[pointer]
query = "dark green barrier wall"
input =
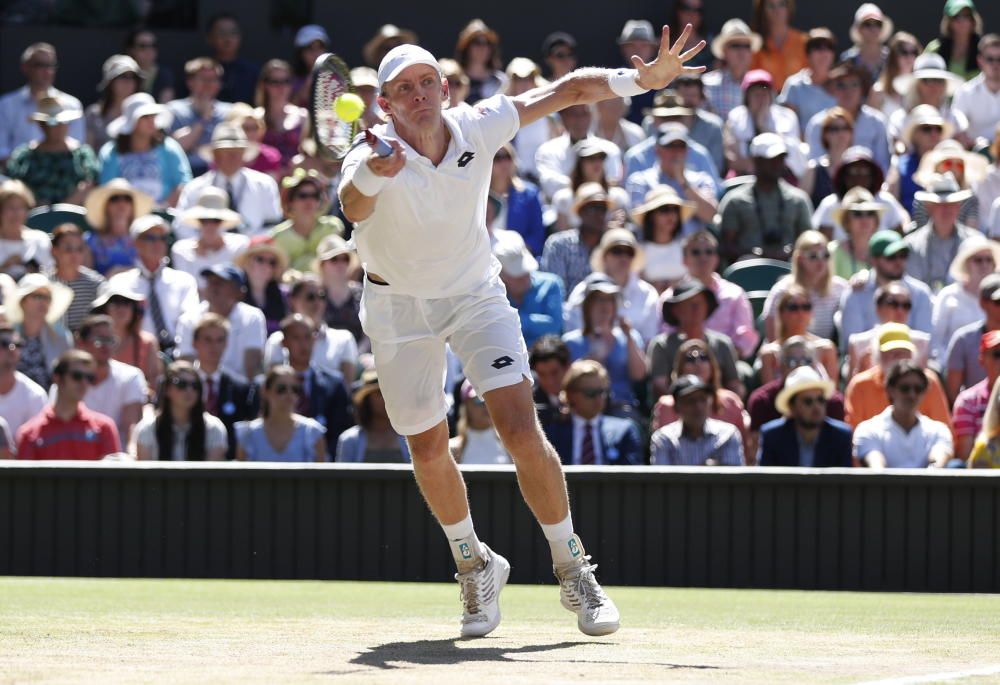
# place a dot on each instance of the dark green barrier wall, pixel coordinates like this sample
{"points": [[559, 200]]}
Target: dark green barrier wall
{"points": [[789, 528]]}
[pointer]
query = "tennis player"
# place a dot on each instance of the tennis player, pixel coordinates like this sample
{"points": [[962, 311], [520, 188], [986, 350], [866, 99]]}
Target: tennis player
{"points": [[431, 279]]}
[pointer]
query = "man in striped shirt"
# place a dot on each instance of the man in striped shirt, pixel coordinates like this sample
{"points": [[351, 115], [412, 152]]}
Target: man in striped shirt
{"points": [[68, 251], [695, 439], [971, 403]]}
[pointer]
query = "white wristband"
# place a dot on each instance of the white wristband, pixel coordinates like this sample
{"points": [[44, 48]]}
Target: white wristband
{"points": [[367, 182], [623, 82]]}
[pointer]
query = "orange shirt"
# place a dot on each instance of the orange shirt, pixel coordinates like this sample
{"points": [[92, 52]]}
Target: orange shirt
{"points": [[866, 397], [783, 62]]}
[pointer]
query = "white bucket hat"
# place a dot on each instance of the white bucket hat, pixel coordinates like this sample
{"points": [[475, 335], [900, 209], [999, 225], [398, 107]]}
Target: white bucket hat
{"points": [[52, 112], [927, 66], [870, 10], [134, 107], [968, 248], [513, 255], [115, 66], [62, 296]]}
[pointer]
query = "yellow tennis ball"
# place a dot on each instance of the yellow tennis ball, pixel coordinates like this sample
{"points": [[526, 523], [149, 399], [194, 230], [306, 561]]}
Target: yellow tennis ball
{"points": [[349, 107]]}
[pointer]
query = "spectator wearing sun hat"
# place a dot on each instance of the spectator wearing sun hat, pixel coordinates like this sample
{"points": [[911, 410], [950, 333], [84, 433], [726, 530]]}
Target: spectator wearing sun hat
{"points": [[338, 267], [734, 47], [305, 201], [215, 242], [695, 439], [869, 32], [567, 253], [979, 98], [536, 295], [264, 265], [968, 168], [958, 303], [960, 17], [120, 77], [930, 83], [35, 309]]}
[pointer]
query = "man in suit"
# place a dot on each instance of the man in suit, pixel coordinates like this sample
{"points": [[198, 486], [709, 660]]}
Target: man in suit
{"points": [[588, 437], [549, 361], [324, 397], [806, 436], [225, 396]]}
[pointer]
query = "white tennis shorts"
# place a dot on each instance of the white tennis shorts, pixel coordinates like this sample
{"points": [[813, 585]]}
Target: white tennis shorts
{"points": [[408, 337]]}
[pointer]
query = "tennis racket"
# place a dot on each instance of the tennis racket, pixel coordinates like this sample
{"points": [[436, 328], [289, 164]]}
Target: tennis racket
{"points": [[334, 137]]}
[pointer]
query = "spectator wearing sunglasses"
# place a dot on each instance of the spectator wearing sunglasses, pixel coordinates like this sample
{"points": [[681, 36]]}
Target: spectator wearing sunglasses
{"points": [[859, 214], [957, 305], [305, 202], [869, 33], [66, 428], [972, 404], [961, 27], [892, 305], [979, 98], [793, 316], [695, 439], [264, 265], [338, 266], [734, 47], [136, 347], [301, 438], [901, 436], [20, 397], [181, 429], [805, 436], [157, 80], [962, 357], [904, 48], [35, 309], [215, 242]]}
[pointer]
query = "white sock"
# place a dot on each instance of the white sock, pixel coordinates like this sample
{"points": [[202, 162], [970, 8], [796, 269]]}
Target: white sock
{"points": [[465, 546], [565, 545]]}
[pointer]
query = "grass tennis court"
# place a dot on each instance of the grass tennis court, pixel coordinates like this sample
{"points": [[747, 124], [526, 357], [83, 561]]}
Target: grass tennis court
{"points": [[93, 630]]}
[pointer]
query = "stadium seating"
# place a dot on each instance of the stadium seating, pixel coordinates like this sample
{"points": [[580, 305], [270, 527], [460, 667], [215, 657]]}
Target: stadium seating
{"points": [[756, 274]]}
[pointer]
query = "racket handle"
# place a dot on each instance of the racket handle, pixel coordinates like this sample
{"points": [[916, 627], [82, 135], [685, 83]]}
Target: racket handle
{"points": [[382, 148]]}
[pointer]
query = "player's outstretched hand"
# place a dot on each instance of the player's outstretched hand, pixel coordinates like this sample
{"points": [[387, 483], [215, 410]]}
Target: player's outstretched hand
{"points": [[391, 165], [669, 62]]}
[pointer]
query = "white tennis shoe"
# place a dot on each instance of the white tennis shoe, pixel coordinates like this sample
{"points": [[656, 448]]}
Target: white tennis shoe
{"points": [[480, 594], [580, 592]]}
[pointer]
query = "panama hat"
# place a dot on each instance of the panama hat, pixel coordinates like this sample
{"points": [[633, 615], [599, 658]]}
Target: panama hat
{"points": [[668, 103], [263, 244], [976, 166], [62, 297], [942, 189], [801, 379], [52, 112], [967, 249], [588, 193], [333, 246], [228, 136], [924, 115], [662, 196], [618, 237], [927, 66], [857, 199], [134, 107], [212, 203], [870, 10], [97, 201], [637, 31], [734, 29]]}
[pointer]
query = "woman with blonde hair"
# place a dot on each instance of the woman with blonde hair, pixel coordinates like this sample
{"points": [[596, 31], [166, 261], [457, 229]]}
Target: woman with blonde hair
{"points": [[958, 303], [903, 51], [812, 270], [283, 121], [793, 317], [22, 249], [986, 450], [860, 215], [279, 434]]}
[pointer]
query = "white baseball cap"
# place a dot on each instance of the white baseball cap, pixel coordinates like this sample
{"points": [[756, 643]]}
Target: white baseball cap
{"points": [[401, 57], [310, 33], [768, 146], [513, 255]]}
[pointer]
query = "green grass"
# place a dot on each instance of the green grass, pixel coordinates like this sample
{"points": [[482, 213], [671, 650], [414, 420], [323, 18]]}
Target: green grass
{"points": [[273, 631]]}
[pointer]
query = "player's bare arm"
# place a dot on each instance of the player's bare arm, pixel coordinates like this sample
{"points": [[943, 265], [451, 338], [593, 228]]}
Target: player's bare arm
{"points": [[356, 205], [592, 84]]}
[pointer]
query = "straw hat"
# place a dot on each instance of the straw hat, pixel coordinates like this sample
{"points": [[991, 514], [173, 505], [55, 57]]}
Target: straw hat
{"points": [[212, 203], [857, 199], [522, 67], [263, 244], [734, 29], [924, 115], [62, 297], [801, 379], [115, 66], [637, 31], [363, 387], [229, 136], [967, 249], [942, 189], [333, 246], [976, 166], [52, 112], [870, 10], [97, 201], [667, 103], [388, 32], [134, 107], [618, 237], [364, 77], [662, 196], [476, 27], [927, 66], [588, 193]]}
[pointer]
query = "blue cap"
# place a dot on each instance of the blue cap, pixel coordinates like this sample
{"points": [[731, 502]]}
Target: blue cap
{"points": [[226, 272]]}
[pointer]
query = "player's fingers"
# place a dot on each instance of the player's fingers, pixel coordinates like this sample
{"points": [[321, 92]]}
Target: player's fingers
{"points": [[682, 40], [665, 40], [637, 62], [688, 54]]}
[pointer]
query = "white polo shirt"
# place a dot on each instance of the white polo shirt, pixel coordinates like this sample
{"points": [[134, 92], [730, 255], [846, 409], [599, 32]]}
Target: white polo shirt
{"points": [[980, 105], [24, 401], [427, 235], [247, 331], [902, 449]]}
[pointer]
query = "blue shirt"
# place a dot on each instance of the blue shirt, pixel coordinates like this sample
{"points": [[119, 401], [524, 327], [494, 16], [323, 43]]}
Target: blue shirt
{"points": [[870, 130], [169, 168], [524, 215], [857, 308], [302, 446], [616, 361], [16, 127], [642, 156], [805, 97], [641, 182], [541, 308]]}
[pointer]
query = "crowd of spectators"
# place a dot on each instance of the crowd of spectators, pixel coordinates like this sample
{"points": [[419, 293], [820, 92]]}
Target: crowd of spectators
{"points": [[790, 259]]}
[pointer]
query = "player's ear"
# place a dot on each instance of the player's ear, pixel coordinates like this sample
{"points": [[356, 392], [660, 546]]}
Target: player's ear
{"points": [[383, 103]]}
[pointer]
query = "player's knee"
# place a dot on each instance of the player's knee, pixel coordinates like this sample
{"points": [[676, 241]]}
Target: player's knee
{"points": [[521, 435], [428, 447]]}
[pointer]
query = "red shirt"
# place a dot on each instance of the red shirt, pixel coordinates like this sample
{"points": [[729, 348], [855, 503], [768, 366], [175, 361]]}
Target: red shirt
{"points": [[970, 408], [88, 435]]}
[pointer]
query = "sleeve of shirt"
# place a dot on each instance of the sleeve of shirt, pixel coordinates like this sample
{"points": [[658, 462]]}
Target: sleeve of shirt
{"points": [[352, 161], [215, 433], [109, 163], [176, 166], [962, 417], [185, 336], [550, 173], [256, 332], [6, 128], [350, 351], [144, 433], [659, 449], [941, 436], [135, 389], [731, 453], [546, 316], [865, 441], [497, 120], [920, 317]]}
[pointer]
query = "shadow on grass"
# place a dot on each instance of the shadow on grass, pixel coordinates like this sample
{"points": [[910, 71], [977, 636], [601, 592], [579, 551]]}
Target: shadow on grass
{"points": [[454, 651]]}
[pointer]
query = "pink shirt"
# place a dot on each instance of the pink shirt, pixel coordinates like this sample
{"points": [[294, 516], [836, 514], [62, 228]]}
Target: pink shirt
{"points": [[733, 318], [730, 411], [970, 408]]}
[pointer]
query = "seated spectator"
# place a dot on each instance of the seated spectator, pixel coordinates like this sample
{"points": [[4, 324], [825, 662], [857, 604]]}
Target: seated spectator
{"points": [[695, 439], [888, 253], [660, 217], [120, 77], [892, 305], [22, 249], [567, 253], [962, 356], [759, 114], [7, 444], [301, 438], [224, 290], [979, 98], [337, 265], [671, 169], [35, 310], [372, 440], [865, 396], [264, 265], [869, 32], [686, 307], [988, 191], [478, 51], [835, 136], [704, 129], [734, 48], [957, 305], [857, 168], [322, 396], [929, 84], [536, 295], [141, 152], [794, 312], [239, 75], [20, 397], [923, 129], [783, 49], [693, 12], [610, 124], [523, 75], [555, 158], [958, 40], [761, 405], [559, 54], [806, 436], [305, 201], [521, 200], [609, 339], [311, 41], [638, 37], [118, 390], [226, 397], [903, 50], [196, 117], [261, 156], [57, 168], [136, 347], [859, 214], [589, 436], [804, 92], [694, 358], [283, 121], [734, 316], [38, 65], [901, 436], [765, 217], [168, 292], [111, 210], [476, 441], [588, 168], [934, 246], [971, 405], [811, 270], [250, 193], [214, 242], [67, 429], [619, 257], [968, 168], [549, 361], [181, 429], [69, 252], [986, 451]]}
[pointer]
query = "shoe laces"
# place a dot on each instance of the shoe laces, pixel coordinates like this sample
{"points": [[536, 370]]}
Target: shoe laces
{"points": [[469, 584], [583, 586]]}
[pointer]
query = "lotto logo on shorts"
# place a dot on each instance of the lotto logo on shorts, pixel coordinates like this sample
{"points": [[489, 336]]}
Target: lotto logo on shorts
{"points": [[502, 362], [465, 550], [574, 548]]}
